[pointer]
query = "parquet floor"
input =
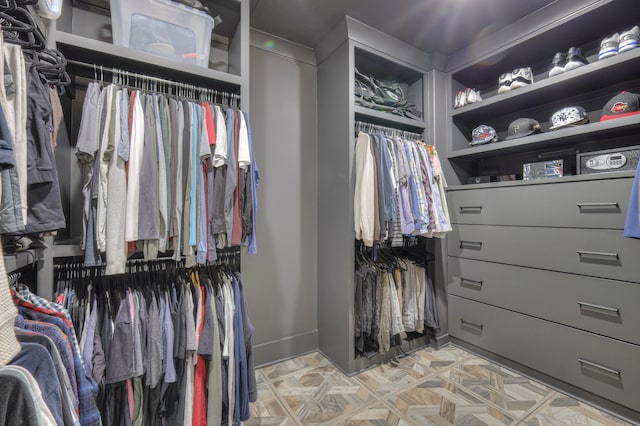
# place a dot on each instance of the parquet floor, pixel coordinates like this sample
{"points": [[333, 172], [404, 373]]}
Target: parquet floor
{"points": [[448, 386]]}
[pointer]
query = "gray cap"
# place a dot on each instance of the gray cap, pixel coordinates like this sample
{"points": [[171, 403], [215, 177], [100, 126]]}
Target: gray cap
{"points": [[523, 127]]}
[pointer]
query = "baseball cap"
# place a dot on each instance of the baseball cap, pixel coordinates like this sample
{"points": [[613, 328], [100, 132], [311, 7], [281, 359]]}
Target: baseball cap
{"points": [[483, 134], [623, 104], [569, 116], [523, 127]]}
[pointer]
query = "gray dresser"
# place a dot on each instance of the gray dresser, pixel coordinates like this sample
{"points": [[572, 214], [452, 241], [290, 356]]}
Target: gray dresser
{"points": [[540, 273]]}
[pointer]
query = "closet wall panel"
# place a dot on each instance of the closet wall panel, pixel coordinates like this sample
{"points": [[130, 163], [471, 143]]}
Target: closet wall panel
{"points": [[335, 208], [281, 279]]}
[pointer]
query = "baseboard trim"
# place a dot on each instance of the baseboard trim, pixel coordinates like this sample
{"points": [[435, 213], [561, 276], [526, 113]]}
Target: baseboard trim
{"points": [[285, 348], [440, 341], [606, 405]]}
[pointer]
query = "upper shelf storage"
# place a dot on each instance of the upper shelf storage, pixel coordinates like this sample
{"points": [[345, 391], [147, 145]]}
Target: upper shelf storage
{"points": [[590, 87], [612, 71], [533, 42], [583, 27], [85, 32], [388, 80], [99, 52]]}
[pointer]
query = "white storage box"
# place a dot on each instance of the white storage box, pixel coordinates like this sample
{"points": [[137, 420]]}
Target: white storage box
{"points": [[163, 28]]}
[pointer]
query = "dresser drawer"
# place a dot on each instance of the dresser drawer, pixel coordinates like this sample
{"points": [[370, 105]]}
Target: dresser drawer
{"points": [[596, 252], [597, 364], [590, 204], [599, 305]]}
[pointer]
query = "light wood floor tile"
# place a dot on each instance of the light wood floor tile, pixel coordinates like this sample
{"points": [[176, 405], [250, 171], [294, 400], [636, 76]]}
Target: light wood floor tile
{"points": [[563, 410], [394, 376], [321, 394], [429, 387], [437, 401], [508, 390], [260, 377], [267, 410], [295, 365], [377, 415], [440, 359]]}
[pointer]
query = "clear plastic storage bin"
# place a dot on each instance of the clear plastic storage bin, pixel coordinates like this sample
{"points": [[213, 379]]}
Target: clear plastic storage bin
{"points": [[163, 28]]}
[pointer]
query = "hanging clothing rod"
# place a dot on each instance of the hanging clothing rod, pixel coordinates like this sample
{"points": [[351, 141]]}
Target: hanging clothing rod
{"points": [[362, 126], [126, 76]]}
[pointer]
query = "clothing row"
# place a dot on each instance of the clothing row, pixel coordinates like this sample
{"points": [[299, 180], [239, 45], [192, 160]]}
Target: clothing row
{"points": [[30, 116], [394, 296], [399, 190], [168, 347], [160, 174], [29, 377], [50, 351]]}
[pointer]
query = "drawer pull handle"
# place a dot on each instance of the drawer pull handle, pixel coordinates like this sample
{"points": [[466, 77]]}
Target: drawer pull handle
{"points": [[587, 205], [597, 254], [599, 307], [599, 367], [471, 324], [470, 209], [477, 245], [468, 281]]}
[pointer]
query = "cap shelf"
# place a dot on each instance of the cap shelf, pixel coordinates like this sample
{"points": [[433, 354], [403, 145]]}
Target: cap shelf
{"points": [[555, 138]]}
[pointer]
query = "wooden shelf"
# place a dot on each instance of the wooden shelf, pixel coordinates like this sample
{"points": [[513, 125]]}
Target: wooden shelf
{"points": [[564, 179], [94, 51], [610, 71], [555, 138], [14, 261], [389, 119]]}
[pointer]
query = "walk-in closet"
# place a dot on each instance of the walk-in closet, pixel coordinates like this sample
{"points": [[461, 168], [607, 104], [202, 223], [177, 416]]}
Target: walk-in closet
{"points": [[302, 212]]}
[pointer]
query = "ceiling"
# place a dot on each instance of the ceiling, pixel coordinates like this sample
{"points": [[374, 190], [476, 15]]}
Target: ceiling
{"points": [[444, 26]]}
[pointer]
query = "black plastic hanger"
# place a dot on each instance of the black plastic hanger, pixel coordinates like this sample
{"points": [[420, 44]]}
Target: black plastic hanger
{"points": [[20, 28], [7, 5]]}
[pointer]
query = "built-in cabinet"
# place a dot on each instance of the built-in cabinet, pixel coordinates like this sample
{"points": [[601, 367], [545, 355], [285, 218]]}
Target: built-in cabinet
{"points": [[349, 46], [539, 273]]}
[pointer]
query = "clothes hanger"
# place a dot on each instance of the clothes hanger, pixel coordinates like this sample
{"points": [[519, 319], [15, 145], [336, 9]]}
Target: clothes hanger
{"points": [[19, 22], [7, 5]]}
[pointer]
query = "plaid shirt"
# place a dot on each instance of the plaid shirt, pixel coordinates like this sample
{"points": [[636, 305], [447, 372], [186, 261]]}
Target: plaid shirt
{"points": [[32, 305], [23, 293], [61, 343]]}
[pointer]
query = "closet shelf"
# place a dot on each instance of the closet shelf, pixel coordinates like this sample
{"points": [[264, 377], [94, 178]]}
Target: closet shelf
{"points": [[94, 51], [552, 139], [616, 69], [564, 179], [379, 117], [21, 259], [67, 249]]}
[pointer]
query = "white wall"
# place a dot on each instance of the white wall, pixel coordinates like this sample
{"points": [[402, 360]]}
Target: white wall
{"points": [[281, 280]]}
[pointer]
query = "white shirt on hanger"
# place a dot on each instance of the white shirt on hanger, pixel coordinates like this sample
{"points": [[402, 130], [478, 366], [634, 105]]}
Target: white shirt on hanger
{"points": [[244, 156], [136, 147], [116, 246], [220, 153]]}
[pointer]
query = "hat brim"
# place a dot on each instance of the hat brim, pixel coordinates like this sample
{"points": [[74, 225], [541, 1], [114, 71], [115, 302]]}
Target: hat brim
{"points": [[483, 142], [522, 135], [613, 116], [577, 123]]}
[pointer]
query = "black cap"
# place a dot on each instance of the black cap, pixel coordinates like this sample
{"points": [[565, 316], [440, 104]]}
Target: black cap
{"points": [[623, 104]]}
